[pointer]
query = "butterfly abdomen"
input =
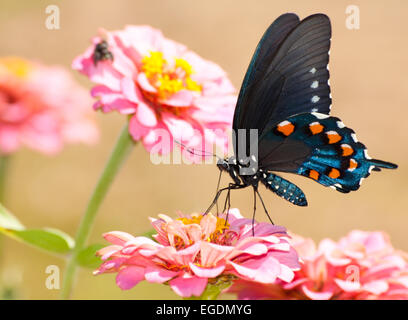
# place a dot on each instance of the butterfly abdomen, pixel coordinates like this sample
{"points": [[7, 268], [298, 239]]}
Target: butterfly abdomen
{"points": [[284, 189]]}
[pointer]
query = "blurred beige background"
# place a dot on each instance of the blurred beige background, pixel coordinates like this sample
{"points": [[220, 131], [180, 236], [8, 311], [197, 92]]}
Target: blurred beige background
{"points": [[369, 86]]}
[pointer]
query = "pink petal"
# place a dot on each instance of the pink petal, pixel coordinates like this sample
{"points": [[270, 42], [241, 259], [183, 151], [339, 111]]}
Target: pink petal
{"points": [[179, 128], [118, 237], [183, 98], [136, 129], [348, 286], [9, 140], [207, 272], [159, 275], [286, 274], [264, 270], [145, 84], [317, 295], [376, 287], [130, 276], [108, 251], [187, 286], [129, 90], [146, 115], [212, 253]]}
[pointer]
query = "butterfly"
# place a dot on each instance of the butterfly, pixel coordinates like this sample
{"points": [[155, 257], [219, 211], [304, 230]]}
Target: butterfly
{"points": [[285, 96]]}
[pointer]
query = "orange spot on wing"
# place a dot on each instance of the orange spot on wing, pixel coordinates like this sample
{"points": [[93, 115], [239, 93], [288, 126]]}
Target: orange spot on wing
{"points": [[353, 164], [334, 173], [347, 150], [333, 137], [286, 128], [314, 174], [316, 128]]}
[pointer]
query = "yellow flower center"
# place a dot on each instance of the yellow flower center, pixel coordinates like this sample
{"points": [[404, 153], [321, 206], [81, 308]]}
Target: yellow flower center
{"points": [[221, 225], [15, 66], [168, 79]]}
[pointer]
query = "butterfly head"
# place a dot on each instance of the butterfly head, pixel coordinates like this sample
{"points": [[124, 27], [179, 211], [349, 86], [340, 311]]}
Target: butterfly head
{"points": [[223, 165]]}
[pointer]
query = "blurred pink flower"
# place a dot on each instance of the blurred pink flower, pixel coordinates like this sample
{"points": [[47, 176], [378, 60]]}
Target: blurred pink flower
{"points": [[166, 89], [361, 266], [41, 107], [196, 249]]}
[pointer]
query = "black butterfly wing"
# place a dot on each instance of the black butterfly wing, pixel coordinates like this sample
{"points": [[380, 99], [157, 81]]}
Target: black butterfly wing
{"points": [[288, 73], [261, 60]]}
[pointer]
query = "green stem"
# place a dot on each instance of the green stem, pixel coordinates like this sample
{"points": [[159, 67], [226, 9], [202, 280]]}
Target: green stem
{"points": [[122, 148], [4, 164]]}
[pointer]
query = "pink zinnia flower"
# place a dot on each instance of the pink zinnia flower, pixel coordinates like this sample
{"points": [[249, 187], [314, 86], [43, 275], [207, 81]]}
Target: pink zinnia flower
{"points": [[361, 266], [194, 250], [41, 107], [169, 91]]}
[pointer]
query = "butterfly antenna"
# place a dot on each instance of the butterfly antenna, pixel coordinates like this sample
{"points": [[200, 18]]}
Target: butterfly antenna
{"points": [[192, 151], [253, 215]]}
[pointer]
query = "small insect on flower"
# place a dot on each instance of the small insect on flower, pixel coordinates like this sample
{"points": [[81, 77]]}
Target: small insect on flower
{"points": [[195, 250], [102, 52]]}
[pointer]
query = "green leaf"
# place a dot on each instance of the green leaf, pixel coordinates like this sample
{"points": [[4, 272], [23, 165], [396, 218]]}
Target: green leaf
{"points": [[8, 221], [87, 258], [47, 239], [149, 234]]}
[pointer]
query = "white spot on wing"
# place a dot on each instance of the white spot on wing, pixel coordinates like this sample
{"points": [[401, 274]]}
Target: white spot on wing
{"points": [[320, 115], [313, 70], [354, 137], [315, 99], [314, 84], [340, 124], [366, 154], [331, 132], [315, 110], [284, 123]]}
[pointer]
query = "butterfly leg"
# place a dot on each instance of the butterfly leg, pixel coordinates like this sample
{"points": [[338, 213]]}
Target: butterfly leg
{"points": [[253, 215], [263, 204], [218, 186], [231, 186], [228, 200], [214, 202], [227, 197]]}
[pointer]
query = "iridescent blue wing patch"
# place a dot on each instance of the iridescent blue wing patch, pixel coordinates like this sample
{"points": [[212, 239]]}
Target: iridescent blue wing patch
{"points": [[319, 147]]}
